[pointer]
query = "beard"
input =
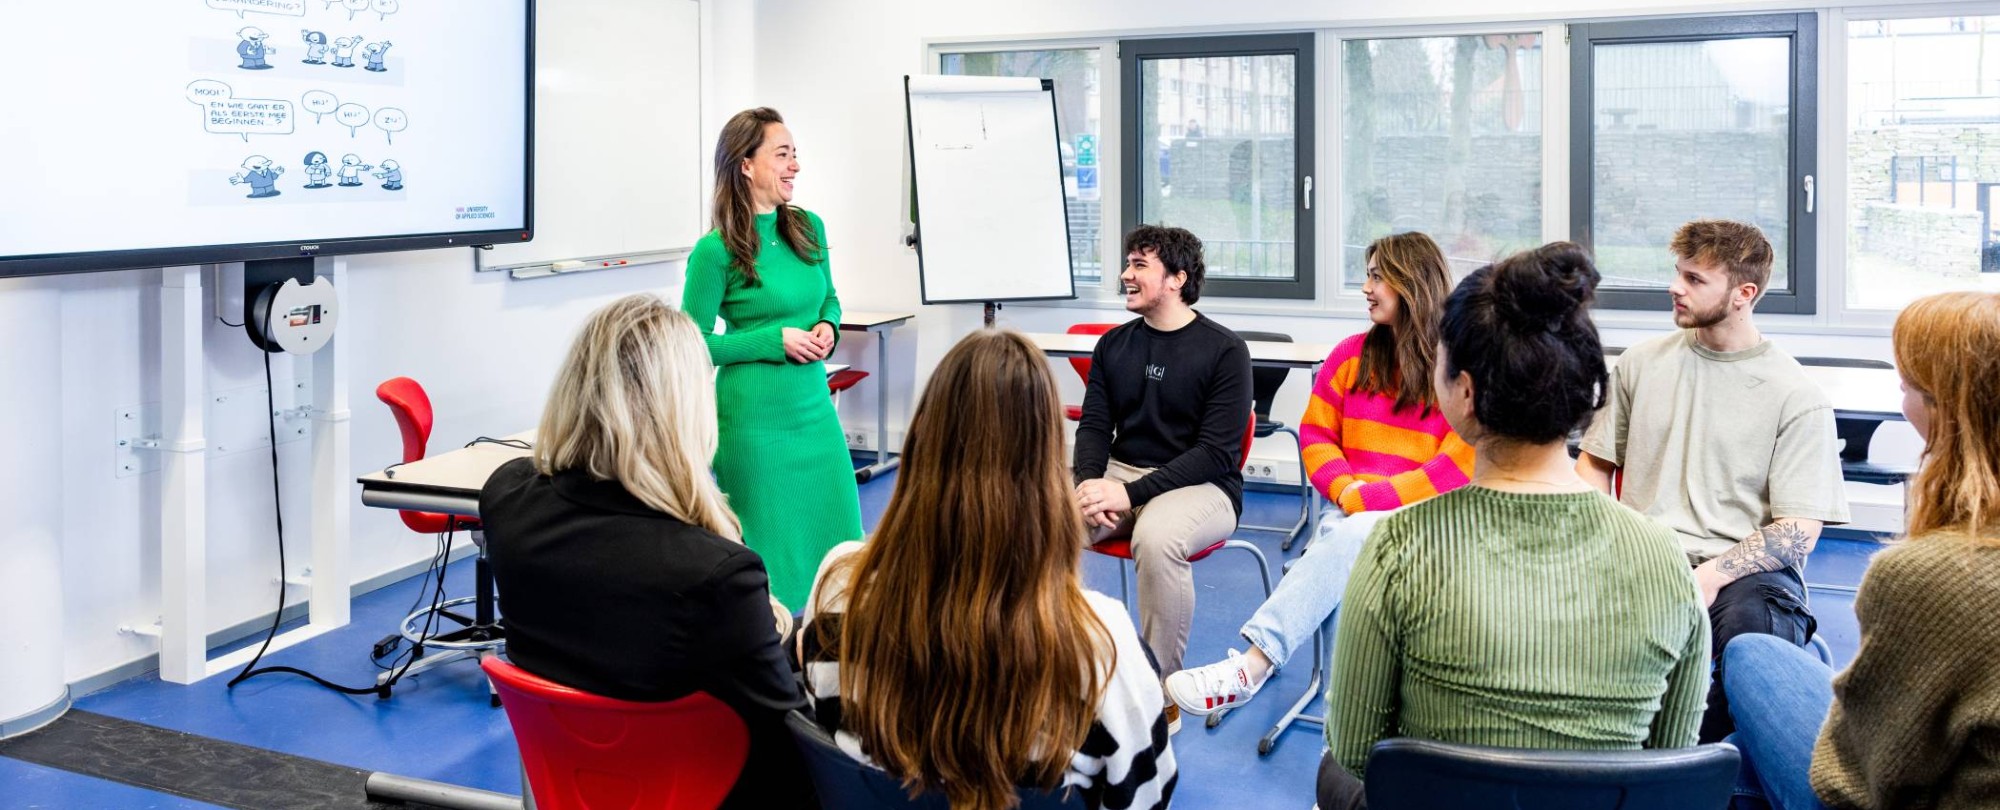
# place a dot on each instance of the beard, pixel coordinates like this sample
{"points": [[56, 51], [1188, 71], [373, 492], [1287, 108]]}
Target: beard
{"points": [[1702, 319]]}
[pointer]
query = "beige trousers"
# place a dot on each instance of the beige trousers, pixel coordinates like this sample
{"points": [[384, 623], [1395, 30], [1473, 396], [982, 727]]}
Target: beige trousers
{"points": [[1164, 532]]}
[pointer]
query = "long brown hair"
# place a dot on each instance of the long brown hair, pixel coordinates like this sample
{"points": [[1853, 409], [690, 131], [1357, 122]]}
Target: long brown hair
{"points": [[969, 660], [1948, 348], [1396, 358], [735, 212]]}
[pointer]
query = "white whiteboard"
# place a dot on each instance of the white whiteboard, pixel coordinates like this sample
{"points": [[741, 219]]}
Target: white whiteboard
{"points": [[992, 224], [618, 157]]}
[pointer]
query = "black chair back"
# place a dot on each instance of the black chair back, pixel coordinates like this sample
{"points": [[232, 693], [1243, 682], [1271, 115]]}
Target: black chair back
{"points": [[1404, 774], [1264, 380], [845, 783], [1844, 362]]}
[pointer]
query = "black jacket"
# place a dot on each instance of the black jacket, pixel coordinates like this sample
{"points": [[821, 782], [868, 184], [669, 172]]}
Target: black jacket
{"points": [[602, 593], [1178, 402]]}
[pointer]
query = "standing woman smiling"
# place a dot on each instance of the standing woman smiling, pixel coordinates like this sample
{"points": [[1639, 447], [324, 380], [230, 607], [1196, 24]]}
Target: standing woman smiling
{"points": [[783, 458]]}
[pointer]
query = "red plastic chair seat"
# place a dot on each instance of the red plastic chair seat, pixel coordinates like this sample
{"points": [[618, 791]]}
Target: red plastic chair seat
{"points": [[844, 379], [1122, 549], [412, 408], [1073, 413], [588, 751]]}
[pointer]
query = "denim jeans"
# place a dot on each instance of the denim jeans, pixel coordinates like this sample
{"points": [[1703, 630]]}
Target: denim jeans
{"points": [[1779, 695], [1308, 595]]}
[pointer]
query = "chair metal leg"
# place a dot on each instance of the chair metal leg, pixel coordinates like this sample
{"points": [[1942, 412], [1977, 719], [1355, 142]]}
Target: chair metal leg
{"points": [[1264, 573], [1305, 501], [1297, 713]]}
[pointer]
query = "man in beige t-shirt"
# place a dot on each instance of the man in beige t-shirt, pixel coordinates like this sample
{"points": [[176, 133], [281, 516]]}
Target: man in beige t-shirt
{"points": [[1717, 433]]}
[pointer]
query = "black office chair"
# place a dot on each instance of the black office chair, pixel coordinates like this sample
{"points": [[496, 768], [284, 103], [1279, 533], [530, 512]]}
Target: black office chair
{"points": [[1405, 774], [1855, 434], [1264, 385], [845, 783]]}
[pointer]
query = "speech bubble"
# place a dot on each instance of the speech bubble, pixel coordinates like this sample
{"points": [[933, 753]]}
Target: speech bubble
{"points": [[391, 120], [352, 116], [224, 114], [385, 7], [290, 8], [319, 103], [354, 7]]}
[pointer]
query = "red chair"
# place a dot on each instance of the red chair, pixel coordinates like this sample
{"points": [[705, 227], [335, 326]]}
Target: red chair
{"points": [[1122, 549], [844, 379], [580, 750], [479, 635], [1082, 364]]}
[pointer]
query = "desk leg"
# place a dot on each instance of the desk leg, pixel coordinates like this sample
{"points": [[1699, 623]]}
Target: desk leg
{"points": [[883, 463]]}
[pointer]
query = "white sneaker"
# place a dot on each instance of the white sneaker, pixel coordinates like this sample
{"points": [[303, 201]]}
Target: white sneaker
{"points": [[1221, 685]]}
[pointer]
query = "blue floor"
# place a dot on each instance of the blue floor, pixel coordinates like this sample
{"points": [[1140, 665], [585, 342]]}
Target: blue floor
{"points": [[439, 725]]}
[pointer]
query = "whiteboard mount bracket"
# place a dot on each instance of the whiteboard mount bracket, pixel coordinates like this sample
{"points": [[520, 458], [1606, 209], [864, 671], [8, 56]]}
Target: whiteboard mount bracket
{"points": [[992, 309]]}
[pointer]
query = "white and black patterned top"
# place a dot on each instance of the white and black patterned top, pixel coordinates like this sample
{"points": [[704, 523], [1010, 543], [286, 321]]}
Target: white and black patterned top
{"points": [[1126, 761]]}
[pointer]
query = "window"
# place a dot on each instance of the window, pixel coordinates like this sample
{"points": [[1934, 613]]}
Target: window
{"points": [[1239, 174], [1923, 159], [1441, 135], [1674, 120], [1074, 72]]}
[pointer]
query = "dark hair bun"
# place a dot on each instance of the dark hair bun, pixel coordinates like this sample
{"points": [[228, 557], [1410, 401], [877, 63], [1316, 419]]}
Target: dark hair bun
{"points": [[1543, 288]]}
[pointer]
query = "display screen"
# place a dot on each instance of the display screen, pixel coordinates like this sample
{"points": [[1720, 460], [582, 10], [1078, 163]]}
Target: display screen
{"points": [[152, 132]]}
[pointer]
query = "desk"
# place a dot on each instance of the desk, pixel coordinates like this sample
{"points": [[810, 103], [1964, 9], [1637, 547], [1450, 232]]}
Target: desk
{"points": [[447, 483], [878, 323]]}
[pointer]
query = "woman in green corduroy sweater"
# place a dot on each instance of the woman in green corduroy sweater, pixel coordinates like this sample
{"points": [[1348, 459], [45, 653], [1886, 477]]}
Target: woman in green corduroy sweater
{"points": [[1914, 720], [783, 458]]}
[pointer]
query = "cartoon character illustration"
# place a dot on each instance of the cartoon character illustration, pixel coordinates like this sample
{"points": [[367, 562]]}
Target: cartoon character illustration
{"points": [[252, 49], [261, 174], [373, 53], [392, 175], [351, 168], [315, 47], [343, 51], [317, 170]]}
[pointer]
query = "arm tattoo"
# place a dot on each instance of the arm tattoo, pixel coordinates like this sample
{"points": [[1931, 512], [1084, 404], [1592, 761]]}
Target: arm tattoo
{"points": [[1777, 546]]}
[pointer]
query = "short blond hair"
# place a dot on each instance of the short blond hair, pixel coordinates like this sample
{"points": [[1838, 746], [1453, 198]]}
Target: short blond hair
{"points": [[1739, 247]]}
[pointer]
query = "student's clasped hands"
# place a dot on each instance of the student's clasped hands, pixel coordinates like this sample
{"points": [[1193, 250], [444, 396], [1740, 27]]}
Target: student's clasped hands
{"points": [[1104, 502], [802, 346]]}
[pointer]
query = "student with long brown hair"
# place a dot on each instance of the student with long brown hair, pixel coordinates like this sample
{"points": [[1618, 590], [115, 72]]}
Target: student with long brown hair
{"points": [[1914, 721], [619, 564], [957, 649], [783, 458], [1373, 441]]}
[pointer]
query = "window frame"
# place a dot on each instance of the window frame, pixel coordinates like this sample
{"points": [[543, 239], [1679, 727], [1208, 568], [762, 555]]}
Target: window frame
{"points": [[1300, 46], [1802, 28]]}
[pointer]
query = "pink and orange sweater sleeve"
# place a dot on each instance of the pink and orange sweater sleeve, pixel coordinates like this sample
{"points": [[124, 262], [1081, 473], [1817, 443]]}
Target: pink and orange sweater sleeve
{"points": [[1398, 456]]}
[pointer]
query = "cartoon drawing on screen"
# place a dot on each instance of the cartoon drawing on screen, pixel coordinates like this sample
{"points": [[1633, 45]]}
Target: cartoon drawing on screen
{"points": [[252, 48], [354, 7], [386, 7], [374, 53], [319, 103], [391, 175], [351, 168], [261, 174], [343, 51], [391, 121], [315, 47], [224, 114], [317, 170]]}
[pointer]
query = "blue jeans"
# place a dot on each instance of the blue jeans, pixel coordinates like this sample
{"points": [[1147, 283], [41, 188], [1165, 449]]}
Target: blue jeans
{"points": [[1779, 695], [1308, 595]]}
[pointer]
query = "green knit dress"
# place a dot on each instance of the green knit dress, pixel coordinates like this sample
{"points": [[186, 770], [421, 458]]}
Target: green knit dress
{"points": [[783, 458]]}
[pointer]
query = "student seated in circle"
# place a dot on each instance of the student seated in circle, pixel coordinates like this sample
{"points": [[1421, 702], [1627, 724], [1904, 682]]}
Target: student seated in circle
{"points": [[957, 649], [1373, 441], [1914, 721], [1525, 609], [619, 566]]}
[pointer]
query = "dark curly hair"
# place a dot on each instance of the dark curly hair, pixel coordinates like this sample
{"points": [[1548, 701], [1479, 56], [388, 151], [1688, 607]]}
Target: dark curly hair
{"points": [[1179, 251], [1521, 327]]}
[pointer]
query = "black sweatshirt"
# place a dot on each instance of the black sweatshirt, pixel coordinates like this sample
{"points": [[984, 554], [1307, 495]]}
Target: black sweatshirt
{"points": [[1178, 402]]}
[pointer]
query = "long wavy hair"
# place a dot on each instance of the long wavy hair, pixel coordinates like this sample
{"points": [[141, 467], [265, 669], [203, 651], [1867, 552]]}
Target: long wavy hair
{"points": [[735, 212], [1396, 358], [1948, 349], [634, 402], [970, 661]]}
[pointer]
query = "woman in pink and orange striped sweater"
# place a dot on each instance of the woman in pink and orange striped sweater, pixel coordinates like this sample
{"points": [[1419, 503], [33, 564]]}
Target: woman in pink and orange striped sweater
{"points": [[1373, 441]]}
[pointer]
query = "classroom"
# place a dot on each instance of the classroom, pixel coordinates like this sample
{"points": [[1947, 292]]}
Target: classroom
{"points": [[763, 403]]}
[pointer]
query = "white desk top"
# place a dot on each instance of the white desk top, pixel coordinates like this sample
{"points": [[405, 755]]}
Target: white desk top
{"points": [[863, 321], [1263, 353], [458, 472]]}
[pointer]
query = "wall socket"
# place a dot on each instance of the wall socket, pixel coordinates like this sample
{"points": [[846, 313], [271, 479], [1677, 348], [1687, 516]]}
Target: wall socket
{"points": [[858, 440], [1258, 471]]}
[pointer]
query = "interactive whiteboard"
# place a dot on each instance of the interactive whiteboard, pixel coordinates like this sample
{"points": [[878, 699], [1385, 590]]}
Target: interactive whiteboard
{"points": [[992, 224]]}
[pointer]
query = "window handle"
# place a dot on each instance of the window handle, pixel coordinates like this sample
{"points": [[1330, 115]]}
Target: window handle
{"points": [[1309, 193], [1809, 193]]}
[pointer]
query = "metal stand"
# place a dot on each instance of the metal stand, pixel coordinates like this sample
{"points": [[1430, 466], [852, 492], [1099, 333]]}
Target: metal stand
{"points": [[479, 637], [393, 788], [883, 463], [1308, 514]]}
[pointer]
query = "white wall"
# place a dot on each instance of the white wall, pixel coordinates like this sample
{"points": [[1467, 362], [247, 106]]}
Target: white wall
{"points": [[833, 69]]}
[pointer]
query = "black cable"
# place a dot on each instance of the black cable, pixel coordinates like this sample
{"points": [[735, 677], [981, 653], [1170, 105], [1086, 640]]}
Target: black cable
{"points": [[250, 670], [518, 444]]}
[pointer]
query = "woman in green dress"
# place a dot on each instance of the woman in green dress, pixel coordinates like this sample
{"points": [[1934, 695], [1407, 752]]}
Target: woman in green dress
{"points": [[783, 458]]}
